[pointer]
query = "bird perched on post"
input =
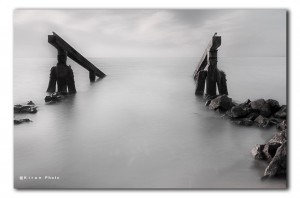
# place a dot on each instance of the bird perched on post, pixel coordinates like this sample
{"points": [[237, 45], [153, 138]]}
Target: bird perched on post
{"points": [[215, 34]]}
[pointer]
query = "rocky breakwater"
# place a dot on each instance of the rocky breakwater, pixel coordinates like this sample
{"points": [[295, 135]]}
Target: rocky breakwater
{"points": [[261, 113], [30, 107]]}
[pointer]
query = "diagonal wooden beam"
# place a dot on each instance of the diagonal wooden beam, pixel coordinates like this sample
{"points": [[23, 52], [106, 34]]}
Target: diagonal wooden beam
{"points": [[60, 44], [214, 43]]}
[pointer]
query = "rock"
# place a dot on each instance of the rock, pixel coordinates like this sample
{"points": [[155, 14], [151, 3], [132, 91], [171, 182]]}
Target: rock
{"points": [[281, 126], [270, 149], [274, 105], [278, 164], [257, 104], [279, 137], [30, 103], [275, 121], [257, 151], [53, 98], [281, 113], [207, 102], [265, 110], [262, 122], [25, 108], [20, 121], [240, 111], [252, 116], [262, 107], [243, 122], [222, 102]]}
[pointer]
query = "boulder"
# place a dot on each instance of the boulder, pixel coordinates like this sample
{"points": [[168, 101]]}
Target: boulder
{"points": [[222, 102], [281, 113], [262, 107], [262, 122], [30, 103], [278, 164], [257, 104], [257, 151], [265, 110], [281, 126], [240, 111], [270, 149], [275, 121], [274, 105], [252, 116], [25, 108], [53, 98], [20, 121]]}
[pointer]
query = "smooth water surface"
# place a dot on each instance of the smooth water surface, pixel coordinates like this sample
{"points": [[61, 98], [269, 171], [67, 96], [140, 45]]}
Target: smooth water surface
{"points": [[142, 126]]}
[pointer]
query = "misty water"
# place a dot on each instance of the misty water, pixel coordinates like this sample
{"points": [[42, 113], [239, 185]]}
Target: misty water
{"points": [[142, 126]]}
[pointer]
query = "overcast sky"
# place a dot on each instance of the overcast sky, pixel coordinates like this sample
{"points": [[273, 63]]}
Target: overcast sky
{"points": [[154, 33]]}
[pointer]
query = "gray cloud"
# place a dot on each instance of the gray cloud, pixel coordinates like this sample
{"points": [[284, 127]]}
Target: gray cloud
{"points": [[175, 33]]}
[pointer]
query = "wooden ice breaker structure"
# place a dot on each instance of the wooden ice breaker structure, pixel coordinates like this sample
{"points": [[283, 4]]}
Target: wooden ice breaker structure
{"points": [[207, 71], [63, 74]]}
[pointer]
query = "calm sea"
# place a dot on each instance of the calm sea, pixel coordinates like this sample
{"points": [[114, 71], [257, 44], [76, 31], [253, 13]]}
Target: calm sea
{"points": [[142, 126]]}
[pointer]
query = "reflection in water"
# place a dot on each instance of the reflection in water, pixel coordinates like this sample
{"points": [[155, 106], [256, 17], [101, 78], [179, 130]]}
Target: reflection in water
{"points": [[141, 127]]}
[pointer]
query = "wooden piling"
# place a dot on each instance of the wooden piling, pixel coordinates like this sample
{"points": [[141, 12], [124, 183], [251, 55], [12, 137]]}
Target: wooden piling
{"points": [[92, 76], [221, 82], [212, 77], [52, 81], [71, 81], [200, 82]]}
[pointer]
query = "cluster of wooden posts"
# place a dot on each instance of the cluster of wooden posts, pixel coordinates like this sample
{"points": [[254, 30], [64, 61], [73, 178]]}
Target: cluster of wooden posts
{"points": [[207, 72], [61, 74]]}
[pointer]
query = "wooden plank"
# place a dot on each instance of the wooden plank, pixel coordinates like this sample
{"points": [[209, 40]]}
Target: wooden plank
{"points": [[60, 44], [212, 46]]}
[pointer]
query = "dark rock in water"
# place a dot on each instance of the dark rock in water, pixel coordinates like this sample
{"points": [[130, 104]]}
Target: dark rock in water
{"points": [[270, 149], [257, 104], [20, 121], [257, 151], [262, 107], [266, 110], [243, 122], [240, 111], [262, 122], [30, 103], [275, 121], [281, 113], [207, 102], [25, 108], [279, 137], [275, 151], [278, 164], [274, 105], [221, 102], [55, 97], [252, 116], [281, 126]]}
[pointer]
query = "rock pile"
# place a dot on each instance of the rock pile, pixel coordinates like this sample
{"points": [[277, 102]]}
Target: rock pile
{"points": [[260, 113], [30, 107]]}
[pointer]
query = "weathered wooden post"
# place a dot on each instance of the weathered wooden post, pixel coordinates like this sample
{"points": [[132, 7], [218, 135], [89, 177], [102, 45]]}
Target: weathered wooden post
{"points": [[200, 83], [221, 82], [212, 77], [61, 74]]}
